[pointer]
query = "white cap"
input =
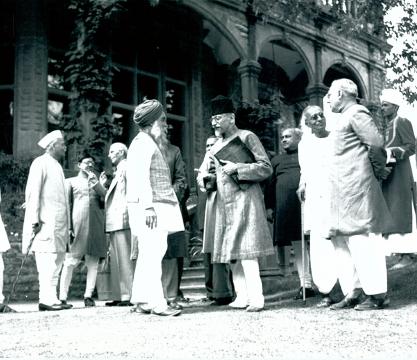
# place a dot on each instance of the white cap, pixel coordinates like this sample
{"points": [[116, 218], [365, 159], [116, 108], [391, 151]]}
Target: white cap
{"points": [[392, 96], [48, 138]]}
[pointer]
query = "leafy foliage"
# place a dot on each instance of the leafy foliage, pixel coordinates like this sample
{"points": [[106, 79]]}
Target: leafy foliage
{"points": [[89, 75]]}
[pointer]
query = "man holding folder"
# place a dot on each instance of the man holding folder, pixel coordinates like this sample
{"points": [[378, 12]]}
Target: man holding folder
{"points": [[241, 233]]}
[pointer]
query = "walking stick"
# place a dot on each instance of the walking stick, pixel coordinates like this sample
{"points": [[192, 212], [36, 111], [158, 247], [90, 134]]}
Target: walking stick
{"points": [[302, 253], [6, 307]]}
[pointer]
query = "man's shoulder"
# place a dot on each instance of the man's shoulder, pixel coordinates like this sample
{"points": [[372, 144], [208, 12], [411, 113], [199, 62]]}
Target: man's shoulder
{"points": [[403, 120]]}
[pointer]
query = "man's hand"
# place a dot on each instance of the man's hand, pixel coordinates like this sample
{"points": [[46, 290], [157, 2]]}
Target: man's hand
{"points": [[228, 167], [36, 227], [151, 218], [103, 178], [270, 215], [301, 192], [387, 171]]}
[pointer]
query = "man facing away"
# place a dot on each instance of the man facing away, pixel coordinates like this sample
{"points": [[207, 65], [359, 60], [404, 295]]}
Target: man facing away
{"points": [[153, 207], [47, 218], [241, 233], [358, 209], [86, 201], [117, 226]]}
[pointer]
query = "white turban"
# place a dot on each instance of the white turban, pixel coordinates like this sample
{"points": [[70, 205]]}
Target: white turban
{"points": [[392, 96], [49, 138]]}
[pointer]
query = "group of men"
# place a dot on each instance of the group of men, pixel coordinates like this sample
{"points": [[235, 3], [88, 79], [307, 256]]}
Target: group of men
{"points": [[143, 206]]}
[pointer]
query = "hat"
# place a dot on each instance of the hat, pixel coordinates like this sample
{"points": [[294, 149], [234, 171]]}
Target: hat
{"points": [[221, 105], [392, 96], [148, 112], [49, 138]]}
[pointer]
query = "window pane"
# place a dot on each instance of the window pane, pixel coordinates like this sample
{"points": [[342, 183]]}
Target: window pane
{"points": [[123, 86], [123, 119], [175, 98], [175, 135], [7, 65], [148, 87], [6, 121]]}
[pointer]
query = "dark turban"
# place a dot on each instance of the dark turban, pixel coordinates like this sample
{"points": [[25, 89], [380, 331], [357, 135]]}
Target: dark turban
{"points": [[147, 113], [221, 105]]}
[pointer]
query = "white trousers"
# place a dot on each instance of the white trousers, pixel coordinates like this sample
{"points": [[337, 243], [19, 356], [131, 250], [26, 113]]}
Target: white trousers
{"points": [[1, 277], [361, 263], [49, 265], [323, 262], [70, 263], [298, 257], [248, 283]]}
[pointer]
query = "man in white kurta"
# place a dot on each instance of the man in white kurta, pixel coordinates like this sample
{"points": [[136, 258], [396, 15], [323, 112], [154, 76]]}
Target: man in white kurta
{"points": [[47, 218], [153, 208]]}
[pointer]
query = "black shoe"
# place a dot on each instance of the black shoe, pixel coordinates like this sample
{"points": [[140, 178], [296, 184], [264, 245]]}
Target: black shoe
{"points": [[222, 301], [113, 303], [125, 303], [373, 303], [174, 305], [54, 307], [309, 293], [89, 302], [65, 305]]}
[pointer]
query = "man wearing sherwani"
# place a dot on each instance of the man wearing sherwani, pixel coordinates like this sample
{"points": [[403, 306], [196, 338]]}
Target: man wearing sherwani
{"points": [[357, 206], [398, 185], [241, 233], [88, 243], [47, 218], [153, 207], [118, 229]]}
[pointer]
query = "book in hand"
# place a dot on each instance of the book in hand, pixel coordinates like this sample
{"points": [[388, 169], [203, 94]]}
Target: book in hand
{"points": [[236, 152]]}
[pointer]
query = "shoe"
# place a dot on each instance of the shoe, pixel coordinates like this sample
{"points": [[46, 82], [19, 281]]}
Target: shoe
{"points": [[251, 308], [309, 293], [54, 307], [405, 261], [346, 303], [238, 305], [174, 305], [65, 305], [124, 303], [222, 301], [167, 312], [113, 303], [89, 302], [325, 302], [373, 303], [141, 309]]}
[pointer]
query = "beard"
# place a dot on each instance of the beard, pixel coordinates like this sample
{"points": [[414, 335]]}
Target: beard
{"points": [[162, 143]]}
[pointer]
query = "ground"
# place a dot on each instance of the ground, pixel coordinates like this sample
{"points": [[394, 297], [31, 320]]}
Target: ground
{"points": [[287, 329]]}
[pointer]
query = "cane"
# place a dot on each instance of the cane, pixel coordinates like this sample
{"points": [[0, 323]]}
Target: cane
{"points": [[302, 253], [17, 276]]}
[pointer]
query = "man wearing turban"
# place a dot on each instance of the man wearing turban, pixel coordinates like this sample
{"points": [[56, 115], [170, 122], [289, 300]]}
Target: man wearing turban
{"points": [[397, 187], [153, 207], [47, 218]]}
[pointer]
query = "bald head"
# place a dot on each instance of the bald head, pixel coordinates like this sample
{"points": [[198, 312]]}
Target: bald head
{"points": [[117, 152]]}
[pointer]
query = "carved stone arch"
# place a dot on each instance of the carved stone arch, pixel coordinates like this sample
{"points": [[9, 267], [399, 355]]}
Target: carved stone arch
{"points": [[346, 69], [296, 47]]}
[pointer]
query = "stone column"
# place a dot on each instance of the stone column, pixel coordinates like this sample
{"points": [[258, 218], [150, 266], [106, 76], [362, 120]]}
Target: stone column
{"points": [[31, 69], [318, 89], [249, 72]]}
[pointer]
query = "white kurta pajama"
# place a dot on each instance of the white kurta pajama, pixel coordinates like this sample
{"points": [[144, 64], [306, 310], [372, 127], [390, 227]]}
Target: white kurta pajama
{"points": [[4, 246], [143, 192], [358, 208], [46, 204]]}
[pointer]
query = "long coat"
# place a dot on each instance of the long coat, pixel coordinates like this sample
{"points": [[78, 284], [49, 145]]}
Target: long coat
{"points": [[398, 186], [47, 204], [357, 203], [117, 217], [87, 218], [241, 229], [282, 197]]}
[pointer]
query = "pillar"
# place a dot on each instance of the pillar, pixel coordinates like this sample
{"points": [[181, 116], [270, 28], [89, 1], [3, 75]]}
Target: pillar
{"points": [[31, 69]]}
